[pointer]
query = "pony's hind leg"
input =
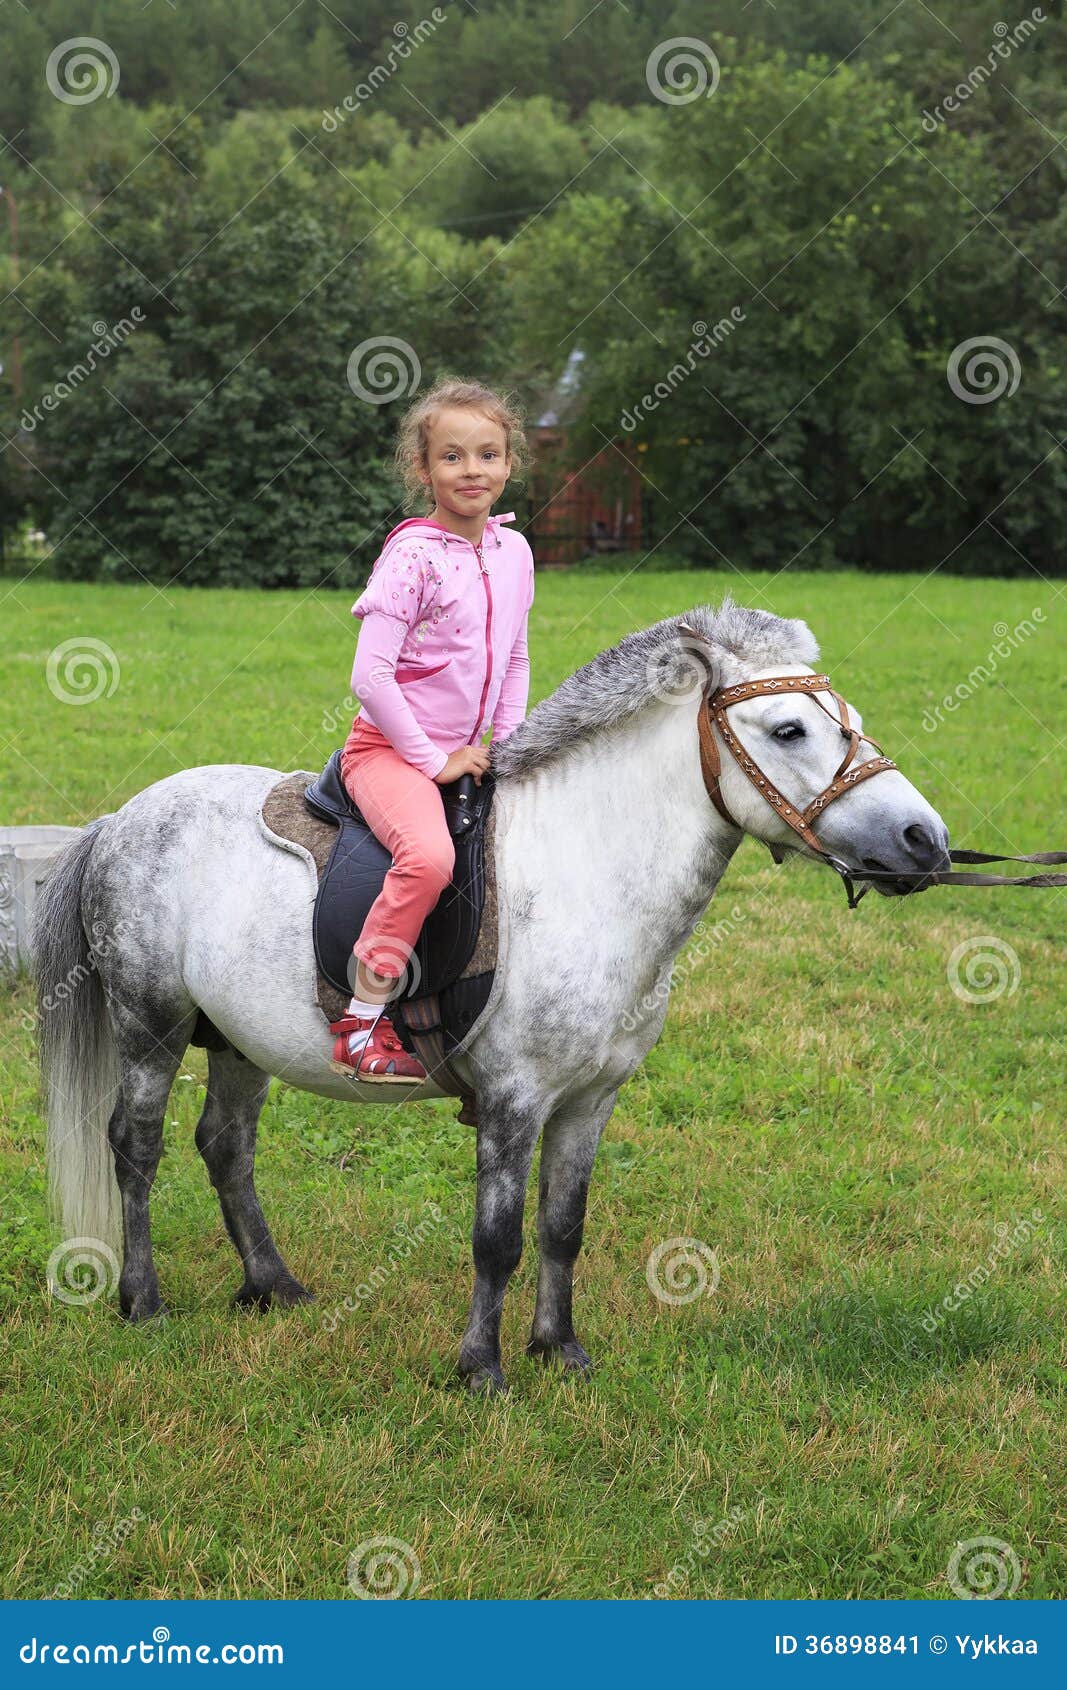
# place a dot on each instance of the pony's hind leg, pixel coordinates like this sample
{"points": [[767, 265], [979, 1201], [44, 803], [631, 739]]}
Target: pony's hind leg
{"points": [[568, 1149], [226, 1139], [150, 1053]]}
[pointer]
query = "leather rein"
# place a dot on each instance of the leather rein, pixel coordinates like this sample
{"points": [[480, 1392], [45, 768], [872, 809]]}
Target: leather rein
{"points": [[712, 717]]}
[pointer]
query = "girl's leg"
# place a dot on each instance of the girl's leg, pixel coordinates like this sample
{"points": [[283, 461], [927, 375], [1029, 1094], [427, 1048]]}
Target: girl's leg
{"points": [[405, 810]]}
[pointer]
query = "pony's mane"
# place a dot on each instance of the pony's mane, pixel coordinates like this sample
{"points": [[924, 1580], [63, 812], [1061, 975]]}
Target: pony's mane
{"points": [[623, 679]]}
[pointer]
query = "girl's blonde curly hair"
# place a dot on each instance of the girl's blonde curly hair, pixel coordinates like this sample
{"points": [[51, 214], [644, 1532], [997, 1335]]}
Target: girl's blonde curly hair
{"points": [[413, 436]]}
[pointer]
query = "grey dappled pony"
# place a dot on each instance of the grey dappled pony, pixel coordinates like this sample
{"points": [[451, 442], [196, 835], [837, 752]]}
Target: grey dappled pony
{"points": [[607, 852]]}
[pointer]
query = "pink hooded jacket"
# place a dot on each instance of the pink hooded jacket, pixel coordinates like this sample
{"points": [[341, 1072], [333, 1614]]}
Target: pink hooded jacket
{"points": [[442, 650]]}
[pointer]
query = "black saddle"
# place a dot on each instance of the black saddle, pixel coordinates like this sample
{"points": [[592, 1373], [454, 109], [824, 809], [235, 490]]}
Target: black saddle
{"points": [[358, 864]]}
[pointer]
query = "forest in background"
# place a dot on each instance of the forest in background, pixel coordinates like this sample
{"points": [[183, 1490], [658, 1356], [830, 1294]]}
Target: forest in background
{"points": [[768, 280]]}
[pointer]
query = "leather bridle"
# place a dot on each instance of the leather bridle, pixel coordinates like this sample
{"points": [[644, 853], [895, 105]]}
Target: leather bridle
{"points": [[712, 716], [847, 775]]}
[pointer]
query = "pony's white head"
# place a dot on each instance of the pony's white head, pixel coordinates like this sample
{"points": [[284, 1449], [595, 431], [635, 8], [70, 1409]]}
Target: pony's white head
{"points": [[791, 744]]}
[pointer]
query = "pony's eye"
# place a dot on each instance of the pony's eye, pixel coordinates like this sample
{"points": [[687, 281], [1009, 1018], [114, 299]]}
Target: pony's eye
{"points": [[789, 730]]}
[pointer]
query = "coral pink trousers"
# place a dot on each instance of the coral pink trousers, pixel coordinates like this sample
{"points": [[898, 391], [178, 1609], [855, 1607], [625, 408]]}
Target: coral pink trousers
{"points": [[405, 809]]}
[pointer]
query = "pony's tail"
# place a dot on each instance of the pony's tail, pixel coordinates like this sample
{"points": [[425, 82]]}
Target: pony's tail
{"points": [[80, 1069]]}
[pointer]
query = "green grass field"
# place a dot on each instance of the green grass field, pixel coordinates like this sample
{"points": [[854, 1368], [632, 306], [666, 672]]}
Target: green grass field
{"points": [[823, 1111]]}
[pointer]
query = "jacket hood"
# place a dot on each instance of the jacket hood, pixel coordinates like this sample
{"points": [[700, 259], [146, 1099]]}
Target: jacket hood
{"points": [[420, 527]]}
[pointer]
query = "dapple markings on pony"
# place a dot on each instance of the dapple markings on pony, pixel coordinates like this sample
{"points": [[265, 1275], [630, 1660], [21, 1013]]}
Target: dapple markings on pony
{"points": [[607, 853]]}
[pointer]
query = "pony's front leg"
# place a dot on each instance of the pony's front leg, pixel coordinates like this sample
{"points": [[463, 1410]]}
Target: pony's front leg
{"points": [[506, 1140], [568, 1151]]}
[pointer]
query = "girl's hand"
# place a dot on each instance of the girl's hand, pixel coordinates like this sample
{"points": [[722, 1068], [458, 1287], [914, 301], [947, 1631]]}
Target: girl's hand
{"points": [[466, 760]]}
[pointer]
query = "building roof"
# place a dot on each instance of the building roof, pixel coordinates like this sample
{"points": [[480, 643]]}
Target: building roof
{"points": [[563, 398]]}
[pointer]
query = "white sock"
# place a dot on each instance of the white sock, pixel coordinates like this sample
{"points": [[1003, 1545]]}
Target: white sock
{"points": [[365, 1010], [369, 1014]]}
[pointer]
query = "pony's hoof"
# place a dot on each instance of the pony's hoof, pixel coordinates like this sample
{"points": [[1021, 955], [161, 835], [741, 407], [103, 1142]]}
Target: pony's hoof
{"points": [[142, 1309], [284, 1293], [569, 1355], [486, 1382], [289, 1292]]}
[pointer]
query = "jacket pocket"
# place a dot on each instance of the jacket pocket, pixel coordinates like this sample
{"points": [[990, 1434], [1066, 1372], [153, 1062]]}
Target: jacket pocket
{"points": [[409, 671]]}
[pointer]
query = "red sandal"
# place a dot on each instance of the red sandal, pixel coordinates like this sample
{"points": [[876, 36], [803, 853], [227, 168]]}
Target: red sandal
{"points": [[381, 1059]]}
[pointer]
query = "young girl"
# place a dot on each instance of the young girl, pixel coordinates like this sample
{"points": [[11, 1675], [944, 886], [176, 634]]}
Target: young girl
{"points": [[441, 655]]}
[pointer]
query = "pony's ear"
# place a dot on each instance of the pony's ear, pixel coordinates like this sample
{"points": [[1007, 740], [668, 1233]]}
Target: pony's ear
{"points": [[717, 663]]}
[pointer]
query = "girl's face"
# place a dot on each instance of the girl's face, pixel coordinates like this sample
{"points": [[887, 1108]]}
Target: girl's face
{"points": [[467, 462]]}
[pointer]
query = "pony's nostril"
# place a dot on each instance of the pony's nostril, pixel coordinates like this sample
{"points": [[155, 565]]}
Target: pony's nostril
{"points": [[925, 851], [917, 836]]}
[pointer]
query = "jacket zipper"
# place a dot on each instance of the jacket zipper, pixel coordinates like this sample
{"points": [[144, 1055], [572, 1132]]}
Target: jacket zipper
{"points": [[488, 638]]}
